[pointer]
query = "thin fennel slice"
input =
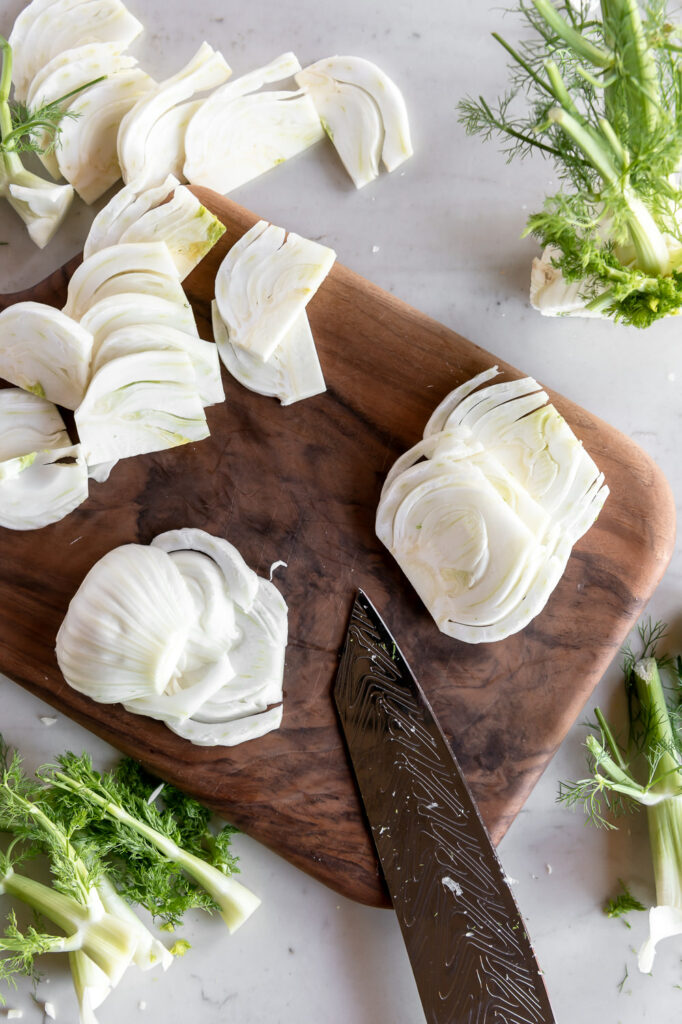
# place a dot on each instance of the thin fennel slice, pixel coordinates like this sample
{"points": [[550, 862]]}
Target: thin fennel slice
{"points": [[122, 211], [29, 423], [206, 70], [44, 351], [482, 514], [135, 309], [44, 30], [87, 155], [292, 372], [120, 263], [188, 229], [257, 133], [145, 402], [264, 284], [43, 476], [362, 111], [165, 152], [66, 74], [238, 134], [202, 355], [147, 283]]}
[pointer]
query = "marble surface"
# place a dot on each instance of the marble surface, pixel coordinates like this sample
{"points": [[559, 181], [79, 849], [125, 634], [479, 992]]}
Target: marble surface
{"points": [[443, 233]]}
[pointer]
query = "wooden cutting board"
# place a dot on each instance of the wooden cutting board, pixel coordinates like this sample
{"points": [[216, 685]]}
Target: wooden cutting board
{"points": [[301, 484]]}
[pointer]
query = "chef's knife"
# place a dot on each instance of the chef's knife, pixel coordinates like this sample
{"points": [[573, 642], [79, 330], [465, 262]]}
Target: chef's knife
{"points": [[469, 949]]}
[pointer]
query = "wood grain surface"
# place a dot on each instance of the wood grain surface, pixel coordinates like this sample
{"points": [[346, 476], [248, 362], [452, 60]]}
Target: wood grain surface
{"points": [[301, 484]]}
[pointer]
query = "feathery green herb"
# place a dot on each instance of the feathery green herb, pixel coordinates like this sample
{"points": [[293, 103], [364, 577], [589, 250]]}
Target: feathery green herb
{"points": [[147, 850], [108, 845], [623, 904], [602, 98], [644, 772]]}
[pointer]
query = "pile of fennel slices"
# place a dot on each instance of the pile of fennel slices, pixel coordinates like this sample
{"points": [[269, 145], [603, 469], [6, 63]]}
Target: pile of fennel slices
{"points": [[116, 121]]}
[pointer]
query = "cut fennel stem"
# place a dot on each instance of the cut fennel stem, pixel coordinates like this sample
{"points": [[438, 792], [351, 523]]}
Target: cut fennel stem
{"points": [[236, 903], [615, 776]]}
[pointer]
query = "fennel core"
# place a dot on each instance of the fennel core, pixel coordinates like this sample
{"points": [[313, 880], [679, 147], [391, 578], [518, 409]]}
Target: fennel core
{"points": [[605, 104]]}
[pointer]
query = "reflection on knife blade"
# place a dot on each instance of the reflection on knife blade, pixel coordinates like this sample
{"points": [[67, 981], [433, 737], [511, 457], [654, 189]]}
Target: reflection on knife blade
{"points": [[469, 949]]}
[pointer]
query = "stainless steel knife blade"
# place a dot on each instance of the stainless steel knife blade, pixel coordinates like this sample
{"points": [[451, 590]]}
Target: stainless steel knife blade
{"points": [[469, 949]]}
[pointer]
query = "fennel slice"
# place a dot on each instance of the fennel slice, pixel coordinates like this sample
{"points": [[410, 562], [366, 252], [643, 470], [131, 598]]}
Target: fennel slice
{"points": [[44, 351], [248, 136], [116, 261], [140, 403], [203, 355], [44, 30], [50, 485], [292, 372], [206, 70], [135, 309], [87, 155], [265, 282], [123, 210], [188, 229]]}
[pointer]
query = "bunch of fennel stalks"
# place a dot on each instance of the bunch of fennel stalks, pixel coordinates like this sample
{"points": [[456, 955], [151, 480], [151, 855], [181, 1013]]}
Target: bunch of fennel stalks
{"points": [[108, 846]]}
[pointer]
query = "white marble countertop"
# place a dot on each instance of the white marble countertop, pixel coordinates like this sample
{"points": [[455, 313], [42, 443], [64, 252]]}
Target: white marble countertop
{"points": [[443, 234]]}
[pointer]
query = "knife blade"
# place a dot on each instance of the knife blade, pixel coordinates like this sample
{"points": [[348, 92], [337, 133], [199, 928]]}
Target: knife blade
{"points": [[468, 946]]}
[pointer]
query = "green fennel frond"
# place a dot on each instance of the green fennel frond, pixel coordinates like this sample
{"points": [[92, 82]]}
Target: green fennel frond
{"points": [[24, 815], [622, 904], [602, 99], [38, 130], [18, 951], [141, 872]]}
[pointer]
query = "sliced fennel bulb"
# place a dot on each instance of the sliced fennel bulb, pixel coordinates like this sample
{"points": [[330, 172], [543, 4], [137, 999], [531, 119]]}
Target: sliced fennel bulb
{"points": [[264, 284], [67, 73], [206, 70], [140, 338], [482, 514], [43, 476], [362, 111], [292, 372], [44, 351], [182, 631], [118, 264], [136, 309], [238, 134], [87, 155], [122, 211], [139, 403], [186, 227], [126, 628], [44, 30]]}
